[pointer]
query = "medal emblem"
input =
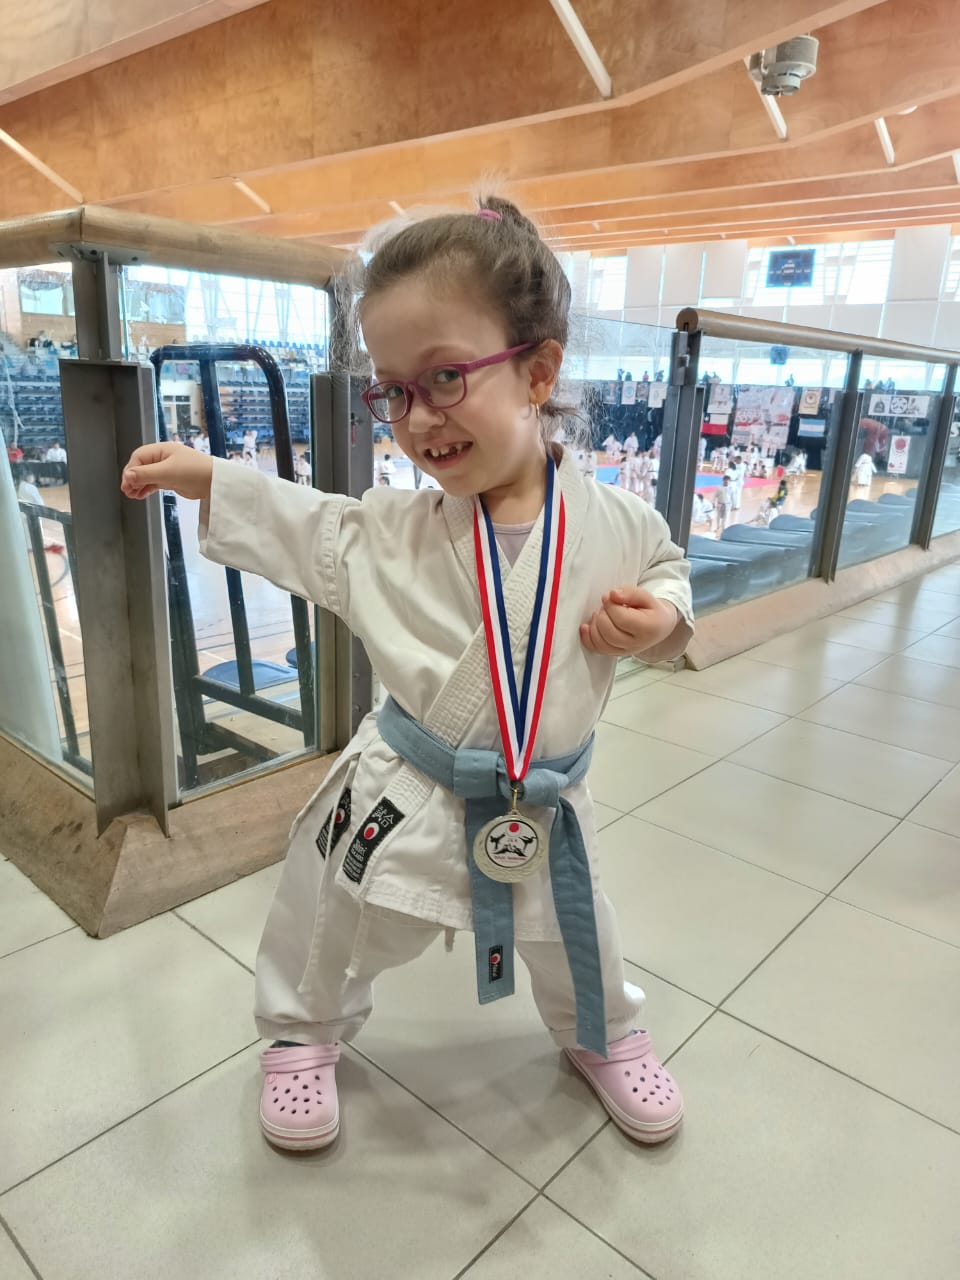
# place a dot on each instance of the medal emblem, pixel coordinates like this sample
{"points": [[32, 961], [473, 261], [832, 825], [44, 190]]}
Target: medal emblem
{"points": [[511, 848]]}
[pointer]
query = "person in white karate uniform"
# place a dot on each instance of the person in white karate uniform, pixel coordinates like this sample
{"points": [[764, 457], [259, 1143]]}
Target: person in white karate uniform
{"points": [[380, 863]]}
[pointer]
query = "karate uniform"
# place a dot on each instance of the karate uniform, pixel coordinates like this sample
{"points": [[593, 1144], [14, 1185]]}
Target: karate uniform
{"points": [[377, 865]]}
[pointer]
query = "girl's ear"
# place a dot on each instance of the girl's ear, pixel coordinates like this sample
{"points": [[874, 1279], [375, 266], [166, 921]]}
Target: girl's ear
{"points": [[544, 366]]}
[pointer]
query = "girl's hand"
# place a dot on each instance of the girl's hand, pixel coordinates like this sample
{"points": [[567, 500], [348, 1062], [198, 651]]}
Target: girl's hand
{"points": [[631, 621], [167, 466]]}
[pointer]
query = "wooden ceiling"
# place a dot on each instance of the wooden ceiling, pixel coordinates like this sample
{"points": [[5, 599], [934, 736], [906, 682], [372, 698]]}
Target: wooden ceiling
{"points": [[316, 120]]}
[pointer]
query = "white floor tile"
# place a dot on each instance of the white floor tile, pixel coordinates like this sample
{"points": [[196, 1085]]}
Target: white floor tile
{"points": [[234, 916], [629, 768], [691, 914], [494, 1070], [759, 684], [951, 629], [213, 1200], [913, 878], [915, 679], [891, 718], [941, 807], [872, 998], [697, 721], [604, 814], [886, 779], [26, 914], [864, 635], [937, 648], [784, 1170], [96, 1029], [13, 1267], [940, 594], [836, 661], [632, 680], [546, 1244], [808, 836], [922, 613]]}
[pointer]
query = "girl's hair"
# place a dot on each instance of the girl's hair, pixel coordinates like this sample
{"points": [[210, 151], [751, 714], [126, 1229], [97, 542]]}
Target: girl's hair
{"points": [[495, 253]]}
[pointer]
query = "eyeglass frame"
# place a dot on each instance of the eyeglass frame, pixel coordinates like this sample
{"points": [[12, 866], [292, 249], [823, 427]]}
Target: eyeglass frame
{"points": [[412, 385]]}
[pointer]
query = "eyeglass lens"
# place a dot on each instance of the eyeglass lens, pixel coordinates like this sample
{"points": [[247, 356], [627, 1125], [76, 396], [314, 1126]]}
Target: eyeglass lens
{"points": [[442, 389]]}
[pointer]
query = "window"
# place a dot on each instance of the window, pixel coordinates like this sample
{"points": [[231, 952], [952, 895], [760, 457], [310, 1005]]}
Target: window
{"points": [[951, 280], [854, 271], [45, 292], [608, 283]]}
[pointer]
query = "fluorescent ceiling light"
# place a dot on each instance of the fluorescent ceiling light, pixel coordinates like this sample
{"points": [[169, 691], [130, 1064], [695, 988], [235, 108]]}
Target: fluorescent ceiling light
{"points": [[397, 208], [35, 162], [886, 143], [584, 46], [252, 195]]}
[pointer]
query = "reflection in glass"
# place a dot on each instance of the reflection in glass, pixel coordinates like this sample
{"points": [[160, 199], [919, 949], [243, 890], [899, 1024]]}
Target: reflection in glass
{"points": [[227, 627], [947, 516], [42, 686], [898, 410], [767, 417]]}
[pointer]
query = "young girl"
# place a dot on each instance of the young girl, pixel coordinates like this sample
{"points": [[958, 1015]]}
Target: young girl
{"points": [[494, 610]]}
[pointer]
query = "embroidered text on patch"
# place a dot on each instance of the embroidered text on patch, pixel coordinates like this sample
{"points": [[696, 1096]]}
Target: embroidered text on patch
{"points": [[380, 823]]}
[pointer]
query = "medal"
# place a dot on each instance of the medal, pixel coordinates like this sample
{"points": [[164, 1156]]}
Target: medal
{"points": [[514, 847]]}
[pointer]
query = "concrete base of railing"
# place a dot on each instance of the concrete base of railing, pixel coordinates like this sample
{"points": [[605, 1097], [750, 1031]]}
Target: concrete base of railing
{"points": [[733, 630], [132, 871]]}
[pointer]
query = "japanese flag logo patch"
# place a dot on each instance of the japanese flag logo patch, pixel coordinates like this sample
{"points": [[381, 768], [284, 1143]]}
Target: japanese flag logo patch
{"points": [[380, 822], [338, 821]]}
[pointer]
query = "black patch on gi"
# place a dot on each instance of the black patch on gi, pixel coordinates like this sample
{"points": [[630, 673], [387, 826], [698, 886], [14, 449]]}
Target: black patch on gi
{"points": [[495, 964], [380, 822], [339, 820]]}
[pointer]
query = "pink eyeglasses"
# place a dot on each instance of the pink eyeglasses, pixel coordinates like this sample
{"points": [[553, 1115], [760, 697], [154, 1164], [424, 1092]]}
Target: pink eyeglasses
{"points": [[441, 387]]}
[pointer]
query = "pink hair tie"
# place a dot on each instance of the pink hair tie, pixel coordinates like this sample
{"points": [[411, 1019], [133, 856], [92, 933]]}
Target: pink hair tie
{"points": [[491, 215]]}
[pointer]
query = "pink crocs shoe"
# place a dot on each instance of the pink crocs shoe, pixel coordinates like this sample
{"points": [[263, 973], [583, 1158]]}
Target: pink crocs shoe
{"points": [[299, 1110], [634, 1086]]}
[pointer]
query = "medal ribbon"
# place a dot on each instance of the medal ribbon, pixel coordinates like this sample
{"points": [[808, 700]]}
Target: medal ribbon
{"points": [[519, 711]]}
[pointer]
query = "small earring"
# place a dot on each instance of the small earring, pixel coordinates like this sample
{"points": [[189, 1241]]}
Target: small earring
{"points": [[536, 408]]}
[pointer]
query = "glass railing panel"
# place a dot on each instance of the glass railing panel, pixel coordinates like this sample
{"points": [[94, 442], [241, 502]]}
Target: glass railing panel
{"points": [[43, 700]]}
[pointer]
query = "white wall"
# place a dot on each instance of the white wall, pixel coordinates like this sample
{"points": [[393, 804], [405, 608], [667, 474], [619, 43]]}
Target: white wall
{"points": [[661, 280]]}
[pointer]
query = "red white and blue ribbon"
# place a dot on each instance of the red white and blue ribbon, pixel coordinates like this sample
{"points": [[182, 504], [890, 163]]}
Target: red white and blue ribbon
{"points": [[519, 711]]}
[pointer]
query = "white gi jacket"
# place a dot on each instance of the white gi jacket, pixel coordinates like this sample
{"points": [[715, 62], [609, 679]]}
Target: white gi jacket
{"points": [[398, 567]]}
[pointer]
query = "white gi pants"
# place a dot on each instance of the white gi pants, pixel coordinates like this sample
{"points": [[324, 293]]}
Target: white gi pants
{"points": [[335, 998]]}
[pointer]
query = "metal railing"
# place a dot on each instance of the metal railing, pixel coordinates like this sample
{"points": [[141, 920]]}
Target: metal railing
{"points": [[684, 415], [199, 736]]}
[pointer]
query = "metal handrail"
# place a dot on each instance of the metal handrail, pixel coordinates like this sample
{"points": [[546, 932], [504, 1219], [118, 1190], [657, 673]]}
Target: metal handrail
{"points": [[82, 232], [720, 324]]}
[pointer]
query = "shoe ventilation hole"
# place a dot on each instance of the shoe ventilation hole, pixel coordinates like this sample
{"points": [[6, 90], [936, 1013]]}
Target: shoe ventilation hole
{"points": [[643, 1079], [635, 1089], [626, 1073], [283, 1108], [316, 1077], [296, 1077], [275, 1087], [644, 1098]]}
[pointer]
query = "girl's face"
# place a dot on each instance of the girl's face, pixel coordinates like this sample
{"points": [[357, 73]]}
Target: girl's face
{"points": [[412, 326]]}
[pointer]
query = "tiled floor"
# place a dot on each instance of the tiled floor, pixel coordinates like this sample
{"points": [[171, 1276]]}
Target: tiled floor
{"points": [[782, 837]]}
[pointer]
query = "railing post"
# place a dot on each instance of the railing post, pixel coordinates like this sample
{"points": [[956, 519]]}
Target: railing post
{"points": [[109, 409], [682, 416], [837, 469], [926, 506], [343, 463]]}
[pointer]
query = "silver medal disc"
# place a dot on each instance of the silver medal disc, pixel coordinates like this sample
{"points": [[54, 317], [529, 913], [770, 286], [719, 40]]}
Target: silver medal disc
{"points": [[511, 848]]}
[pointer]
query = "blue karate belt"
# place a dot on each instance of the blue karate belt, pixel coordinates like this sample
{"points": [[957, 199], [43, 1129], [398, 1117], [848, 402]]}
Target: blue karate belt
{"points": [[480, 779]]}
